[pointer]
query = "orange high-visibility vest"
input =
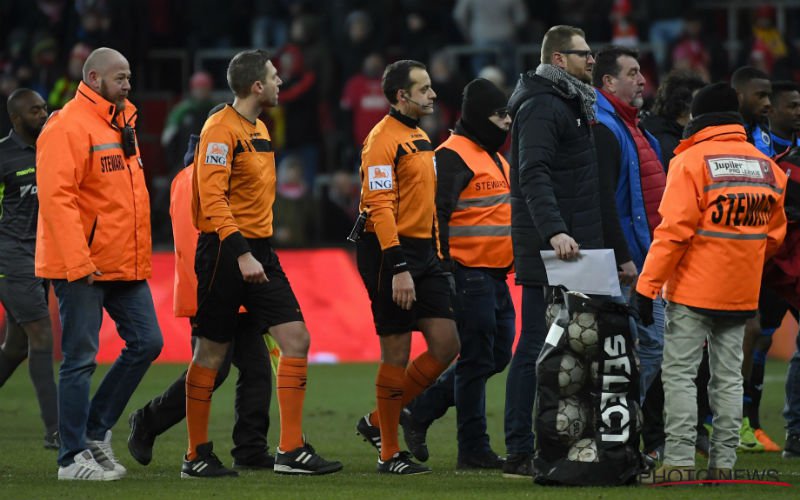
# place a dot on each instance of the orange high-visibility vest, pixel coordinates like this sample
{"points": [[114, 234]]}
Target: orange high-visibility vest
{"points": [[480, 225]]}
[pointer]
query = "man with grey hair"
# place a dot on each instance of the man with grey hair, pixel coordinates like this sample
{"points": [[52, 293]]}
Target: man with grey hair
{"points": [[93, 242], [555, 205]]}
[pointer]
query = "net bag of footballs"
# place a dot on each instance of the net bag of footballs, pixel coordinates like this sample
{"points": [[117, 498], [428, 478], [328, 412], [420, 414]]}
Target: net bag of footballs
{"points": [[587, 417]]}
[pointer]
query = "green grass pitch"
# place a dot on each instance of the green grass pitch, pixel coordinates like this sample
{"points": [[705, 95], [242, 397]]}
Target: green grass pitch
{"points": [[337, 396]]}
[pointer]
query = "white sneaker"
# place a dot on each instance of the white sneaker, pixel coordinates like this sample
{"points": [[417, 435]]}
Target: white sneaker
{"points": [[86, 468], [104, 455]]}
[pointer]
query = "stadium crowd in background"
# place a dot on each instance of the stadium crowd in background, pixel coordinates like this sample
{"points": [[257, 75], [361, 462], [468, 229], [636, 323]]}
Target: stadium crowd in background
{"points": [[327, 55], [583, 172]]}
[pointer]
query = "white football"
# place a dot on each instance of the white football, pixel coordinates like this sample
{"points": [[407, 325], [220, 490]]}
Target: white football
{"points": [[584, 450], [582, 334], [570, 375], [551, 313], [570, 419]]}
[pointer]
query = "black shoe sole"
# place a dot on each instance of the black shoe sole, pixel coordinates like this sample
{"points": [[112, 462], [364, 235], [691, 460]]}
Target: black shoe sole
{"points": [[289, 471], [143, 458], [185, 475], [417, 473]]}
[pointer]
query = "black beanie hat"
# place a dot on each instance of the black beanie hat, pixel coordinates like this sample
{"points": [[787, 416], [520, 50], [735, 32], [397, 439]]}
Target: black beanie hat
{"points": [[715, 98], [481, 99]]}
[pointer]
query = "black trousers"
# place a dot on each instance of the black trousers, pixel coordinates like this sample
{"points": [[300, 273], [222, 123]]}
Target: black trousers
{"points": [[249, 354]]}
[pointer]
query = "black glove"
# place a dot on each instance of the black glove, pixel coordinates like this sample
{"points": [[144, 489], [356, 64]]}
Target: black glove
{"points": [[644, 305]]}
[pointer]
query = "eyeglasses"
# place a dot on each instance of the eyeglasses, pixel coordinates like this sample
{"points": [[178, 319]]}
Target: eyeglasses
{"points": [[502, 113], [586, 54]]}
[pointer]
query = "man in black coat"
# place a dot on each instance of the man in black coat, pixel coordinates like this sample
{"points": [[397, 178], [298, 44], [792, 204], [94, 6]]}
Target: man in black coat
{"points": [[556, 204]]}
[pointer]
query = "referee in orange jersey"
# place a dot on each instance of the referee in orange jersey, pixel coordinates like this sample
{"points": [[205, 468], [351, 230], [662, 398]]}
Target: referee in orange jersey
{"points": [[399, 259]]}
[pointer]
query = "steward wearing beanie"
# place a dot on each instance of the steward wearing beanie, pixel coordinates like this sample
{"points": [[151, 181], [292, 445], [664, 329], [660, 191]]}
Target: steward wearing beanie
{"points": [[723, 218], [474, 213]]}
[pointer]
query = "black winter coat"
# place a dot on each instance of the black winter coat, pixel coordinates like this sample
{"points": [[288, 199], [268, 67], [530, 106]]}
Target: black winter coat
{"points": [[554, 176]]}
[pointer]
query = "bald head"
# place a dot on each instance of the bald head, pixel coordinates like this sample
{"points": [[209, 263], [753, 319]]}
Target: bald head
{"points": [[28, 112], [100, 60], [108, 73]]}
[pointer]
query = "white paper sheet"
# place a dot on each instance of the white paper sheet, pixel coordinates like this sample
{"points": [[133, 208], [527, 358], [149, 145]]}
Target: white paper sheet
{"points": [[593, 272]]}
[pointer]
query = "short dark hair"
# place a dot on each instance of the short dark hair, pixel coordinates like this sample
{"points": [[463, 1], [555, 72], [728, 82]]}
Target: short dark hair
{"points": [[558, 38], [245, 68], [674, 95], [13, 104], [783, 86], [606, 63], [745, 75], [396, 77]]}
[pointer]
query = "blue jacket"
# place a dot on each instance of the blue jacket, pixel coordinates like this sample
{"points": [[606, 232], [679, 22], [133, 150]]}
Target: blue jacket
{"points": [[761, 139], [629, 196]]}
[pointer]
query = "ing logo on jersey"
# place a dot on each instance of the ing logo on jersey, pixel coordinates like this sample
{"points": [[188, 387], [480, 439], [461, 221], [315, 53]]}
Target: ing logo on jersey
{"points": [[217, 154], [380, 177]]}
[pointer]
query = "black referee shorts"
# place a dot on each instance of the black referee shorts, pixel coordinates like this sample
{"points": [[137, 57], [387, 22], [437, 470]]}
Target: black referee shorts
{"points": [[430, 285], [221, 290]]}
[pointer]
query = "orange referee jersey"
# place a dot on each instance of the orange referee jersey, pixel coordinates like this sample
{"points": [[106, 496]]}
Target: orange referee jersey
{"points": [[234, 177], [398, 181]]}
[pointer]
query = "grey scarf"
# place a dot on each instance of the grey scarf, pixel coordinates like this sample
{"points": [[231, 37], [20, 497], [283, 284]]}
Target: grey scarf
{"points": [[569, 87]]}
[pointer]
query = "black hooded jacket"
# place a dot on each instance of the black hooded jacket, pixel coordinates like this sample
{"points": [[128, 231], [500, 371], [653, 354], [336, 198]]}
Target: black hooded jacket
{"points": [[554, 176], [667, 132]]}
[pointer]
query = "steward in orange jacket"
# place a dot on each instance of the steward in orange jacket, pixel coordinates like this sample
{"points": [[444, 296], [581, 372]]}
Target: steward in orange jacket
{"points": [[722, 219], [93, 241], [473, 203], [94, 210]]}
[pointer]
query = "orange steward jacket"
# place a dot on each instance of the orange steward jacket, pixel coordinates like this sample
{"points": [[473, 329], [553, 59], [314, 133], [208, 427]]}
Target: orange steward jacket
{"points": [[722, 219], [479, 224], [398, 185], [185, 237], [94, 210], [234, 180]]}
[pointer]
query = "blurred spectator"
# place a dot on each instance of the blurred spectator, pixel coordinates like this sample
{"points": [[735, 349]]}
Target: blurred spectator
{"points": [[666, 25], [448, 85], [299, 102], [317, 58], [670, 112], [339, 207], [44, 55], [358, 43], [699, 51], [623, 29], [294, 209], [420, 35], [690, 53], [95, 19], [767, 46], [185, 119], [363, 101], [491, 25], [8, 84], [494, 75], [65, 87], [270, 23]]}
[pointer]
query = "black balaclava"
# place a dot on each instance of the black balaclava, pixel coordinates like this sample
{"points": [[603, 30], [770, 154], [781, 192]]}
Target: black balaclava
{"points": [[481, 99]]}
